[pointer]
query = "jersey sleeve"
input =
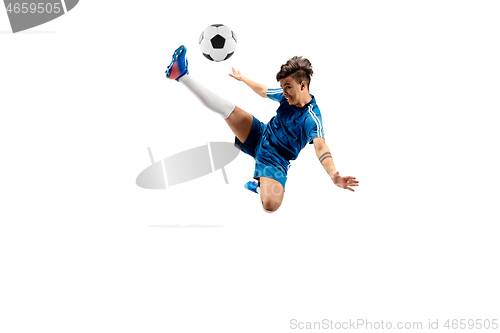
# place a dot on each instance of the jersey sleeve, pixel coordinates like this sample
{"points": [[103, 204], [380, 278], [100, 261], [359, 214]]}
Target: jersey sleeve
{"points": [[276, 94], [314, 124]]}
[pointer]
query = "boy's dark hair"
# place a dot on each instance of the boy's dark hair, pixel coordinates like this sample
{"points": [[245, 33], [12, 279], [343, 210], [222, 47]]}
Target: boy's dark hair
{"points": [[299, 68]]}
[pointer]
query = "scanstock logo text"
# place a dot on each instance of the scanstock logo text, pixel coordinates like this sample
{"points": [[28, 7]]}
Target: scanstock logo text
{"points": [[25, 14]]}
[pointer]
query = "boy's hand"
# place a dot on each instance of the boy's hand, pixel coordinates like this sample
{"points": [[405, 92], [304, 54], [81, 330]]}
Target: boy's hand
{"points": [[258, 88], [345, 182], [236, 74]]}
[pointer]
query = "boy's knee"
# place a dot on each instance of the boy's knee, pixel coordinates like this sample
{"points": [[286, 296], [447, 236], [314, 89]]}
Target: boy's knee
{"points": [[271, 206]]}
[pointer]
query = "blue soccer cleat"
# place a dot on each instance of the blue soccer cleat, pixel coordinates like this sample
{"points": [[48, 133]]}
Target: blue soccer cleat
{"points": [[252, 186], [179, 65]]}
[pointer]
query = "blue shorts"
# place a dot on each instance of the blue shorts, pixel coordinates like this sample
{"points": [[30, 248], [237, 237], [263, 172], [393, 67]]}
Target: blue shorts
{"points": [[268, 162]]}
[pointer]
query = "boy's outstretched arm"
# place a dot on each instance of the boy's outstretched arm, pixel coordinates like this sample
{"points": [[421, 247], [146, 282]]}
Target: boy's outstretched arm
{"points": [[326, 160], [260, 89]]}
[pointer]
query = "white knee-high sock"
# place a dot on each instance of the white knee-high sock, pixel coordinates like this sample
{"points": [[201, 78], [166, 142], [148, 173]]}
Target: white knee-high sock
{"points": [[209, 99]]}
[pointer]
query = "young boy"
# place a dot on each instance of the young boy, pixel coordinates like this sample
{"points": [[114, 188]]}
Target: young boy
{"points": [[275, 144]]}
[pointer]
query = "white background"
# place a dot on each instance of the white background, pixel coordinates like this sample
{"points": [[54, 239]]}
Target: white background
{"points": [[409, 93]]}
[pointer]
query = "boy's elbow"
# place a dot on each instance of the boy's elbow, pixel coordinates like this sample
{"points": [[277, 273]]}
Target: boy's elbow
{"points": [[263, 93], [319, 144]]}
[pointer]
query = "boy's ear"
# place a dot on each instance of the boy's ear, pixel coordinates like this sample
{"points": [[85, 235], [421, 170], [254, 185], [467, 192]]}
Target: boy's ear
{"points": [[302, 85]]}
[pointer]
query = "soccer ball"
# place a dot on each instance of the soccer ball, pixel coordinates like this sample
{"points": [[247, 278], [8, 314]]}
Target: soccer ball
{"points": [[217, 42]]}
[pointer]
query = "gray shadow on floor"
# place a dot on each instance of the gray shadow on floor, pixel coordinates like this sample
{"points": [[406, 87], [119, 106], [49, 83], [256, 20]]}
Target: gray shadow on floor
{"points": [[187, 226], [27, 32]]}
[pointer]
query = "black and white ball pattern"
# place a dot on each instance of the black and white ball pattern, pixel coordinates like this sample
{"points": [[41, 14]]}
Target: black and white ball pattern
{"points": [[217, 42]]}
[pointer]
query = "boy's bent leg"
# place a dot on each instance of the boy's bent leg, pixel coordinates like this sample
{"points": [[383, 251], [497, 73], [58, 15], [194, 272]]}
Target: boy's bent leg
{"points": [[271, 194], [240, 123]]}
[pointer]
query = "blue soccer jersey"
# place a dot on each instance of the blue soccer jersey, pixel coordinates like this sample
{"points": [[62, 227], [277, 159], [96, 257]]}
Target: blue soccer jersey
{"points": [[275, 144], [293, 127]]}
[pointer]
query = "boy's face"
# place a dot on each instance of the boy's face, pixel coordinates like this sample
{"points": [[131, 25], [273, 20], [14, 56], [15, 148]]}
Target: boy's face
{"points": [[293, 91]]}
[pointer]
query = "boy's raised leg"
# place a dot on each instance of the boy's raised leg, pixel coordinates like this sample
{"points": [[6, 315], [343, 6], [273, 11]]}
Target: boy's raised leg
{"points": [[240, 123], [238, 120]]}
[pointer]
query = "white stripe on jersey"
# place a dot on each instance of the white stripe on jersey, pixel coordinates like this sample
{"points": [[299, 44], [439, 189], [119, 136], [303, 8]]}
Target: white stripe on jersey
{"points": [[274, 91], [316, 120]]}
